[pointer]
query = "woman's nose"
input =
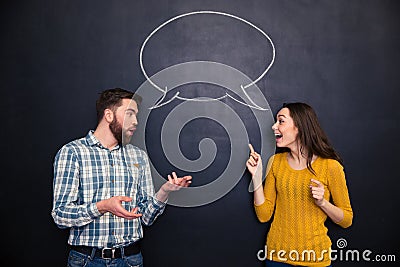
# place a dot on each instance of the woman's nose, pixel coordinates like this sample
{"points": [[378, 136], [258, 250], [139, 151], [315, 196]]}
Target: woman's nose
{"points": [[274, 126]]}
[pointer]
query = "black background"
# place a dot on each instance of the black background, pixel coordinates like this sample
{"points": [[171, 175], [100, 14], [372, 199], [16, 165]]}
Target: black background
{"points": [[339, 56]]}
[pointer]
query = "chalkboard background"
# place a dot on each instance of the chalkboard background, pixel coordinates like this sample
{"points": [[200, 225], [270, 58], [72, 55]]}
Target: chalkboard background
{"points": [[339, 56]]}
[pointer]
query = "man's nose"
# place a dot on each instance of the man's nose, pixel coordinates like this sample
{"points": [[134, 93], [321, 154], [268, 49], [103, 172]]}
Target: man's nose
{"points": [[134, 121], [131, 121]]}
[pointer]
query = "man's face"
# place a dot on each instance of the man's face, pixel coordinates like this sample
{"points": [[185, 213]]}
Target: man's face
{"points": [[124, 122]]}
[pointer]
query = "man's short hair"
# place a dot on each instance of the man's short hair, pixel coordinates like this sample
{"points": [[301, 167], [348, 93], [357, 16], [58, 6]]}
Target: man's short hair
{"points": [[112, 99]]}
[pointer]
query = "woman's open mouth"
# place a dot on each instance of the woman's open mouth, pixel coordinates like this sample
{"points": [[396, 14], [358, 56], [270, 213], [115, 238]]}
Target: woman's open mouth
{"points": [[278, 137]]}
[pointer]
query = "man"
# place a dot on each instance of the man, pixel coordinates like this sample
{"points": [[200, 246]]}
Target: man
{"points": [[103, 189]]}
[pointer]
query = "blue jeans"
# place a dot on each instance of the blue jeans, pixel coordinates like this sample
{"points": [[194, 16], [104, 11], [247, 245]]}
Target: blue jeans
{"points": [[77, 259], [269, 263]]}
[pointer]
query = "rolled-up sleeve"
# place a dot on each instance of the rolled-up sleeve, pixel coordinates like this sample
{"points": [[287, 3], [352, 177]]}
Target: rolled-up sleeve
{"points": [[148, 204]]}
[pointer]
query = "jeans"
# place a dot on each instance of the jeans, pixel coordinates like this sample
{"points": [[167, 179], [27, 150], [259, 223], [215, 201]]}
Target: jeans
{"points": [[76, 259], [269, 263]]}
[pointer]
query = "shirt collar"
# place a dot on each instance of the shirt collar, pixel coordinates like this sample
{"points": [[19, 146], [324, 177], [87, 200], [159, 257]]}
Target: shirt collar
{"points": [[93, 141]]}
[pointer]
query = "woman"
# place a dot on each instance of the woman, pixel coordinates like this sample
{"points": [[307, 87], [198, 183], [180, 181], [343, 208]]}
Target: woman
{"points": [[298, 187]]}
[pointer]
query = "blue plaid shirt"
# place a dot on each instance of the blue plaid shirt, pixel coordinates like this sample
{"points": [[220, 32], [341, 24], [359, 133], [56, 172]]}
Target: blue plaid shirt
{"points": [[85, 172]]}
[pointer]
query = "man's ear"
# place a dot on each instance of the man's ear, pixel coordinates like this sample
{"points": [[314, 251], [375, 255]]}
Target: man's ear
{"points": [[108, 115]]}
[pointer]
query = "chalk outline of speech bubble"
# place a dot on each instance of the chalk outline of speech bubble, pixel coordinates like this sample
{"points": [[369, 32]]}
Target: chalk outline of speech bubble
{"points": [[176, 96]]}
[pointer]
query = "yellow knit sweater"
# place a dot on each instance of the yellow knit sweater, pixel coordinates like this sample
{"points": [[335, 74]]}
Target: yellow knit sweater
{"points": [[298, 230]]}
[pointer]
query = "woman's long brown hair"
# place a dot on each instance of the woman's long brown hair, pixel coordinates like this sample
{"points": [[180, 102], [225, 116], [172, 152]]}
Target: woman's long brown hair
{"points": [[311, 136]]}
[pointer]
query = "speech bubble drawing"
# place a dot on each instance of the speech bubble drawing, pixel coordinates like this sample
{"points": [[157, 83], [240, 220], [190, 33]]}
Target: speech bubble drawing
{"points": [[240, 88], [164, 100]]}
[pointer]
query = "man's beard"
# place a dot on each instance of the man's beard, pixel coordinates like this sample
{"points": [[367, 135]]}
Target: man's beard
{"points": [[116, 129]]}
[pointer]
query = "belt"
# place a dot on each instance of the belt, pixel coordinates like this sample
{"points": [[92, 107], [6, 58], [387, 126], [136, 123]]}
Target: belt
{"points": [[108, 253]]}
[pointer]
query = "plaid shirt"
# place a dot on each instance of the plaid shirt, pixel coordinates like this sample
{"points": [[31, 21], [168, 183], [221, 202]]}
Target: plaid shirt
{"points": [[85, 172]]}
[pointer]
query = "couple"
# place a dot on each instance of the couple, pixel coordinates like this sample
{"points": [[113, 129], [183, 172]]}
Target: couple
{"points": [[103, 189]]}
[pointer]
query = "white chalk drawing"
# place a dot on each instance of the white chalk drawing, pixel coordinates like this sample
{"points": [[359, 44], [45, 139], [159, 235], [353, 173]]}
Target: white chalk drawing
{"points": [[240, 88], [243, 88]]}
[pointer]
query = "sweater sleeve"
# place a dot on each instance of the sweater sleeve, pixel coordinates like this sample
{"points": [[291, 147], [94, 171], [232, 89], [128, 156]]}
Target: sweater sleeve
{"points": [[339, 192], [266, 209]]}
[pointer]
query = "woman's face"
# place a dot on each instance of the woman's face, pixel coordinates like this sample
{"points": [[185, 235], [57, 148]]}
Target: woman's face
{"points": [[285, 130]]}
